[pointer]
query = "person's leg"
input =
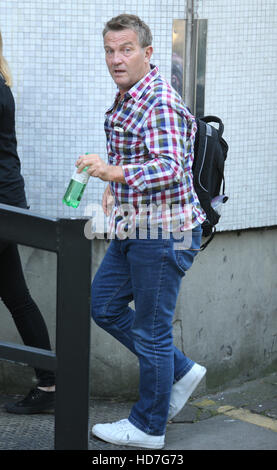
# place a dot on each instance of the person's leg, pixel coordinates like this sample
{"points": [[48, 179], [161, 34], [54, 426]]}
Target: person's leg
{"points": [[185, 381], [111, 294], [26, 315], [156, 272], [156, 276], [112, 290]]}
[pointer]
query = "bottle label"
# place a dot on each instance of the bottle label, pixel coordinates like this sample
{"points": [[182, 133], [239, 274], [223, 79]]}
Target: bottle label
{"points": [[82, 177]]}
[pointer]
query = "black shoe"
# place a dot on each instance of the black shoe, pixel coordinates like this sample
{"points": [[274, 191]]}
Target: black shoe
{"points": [[35, 402]]}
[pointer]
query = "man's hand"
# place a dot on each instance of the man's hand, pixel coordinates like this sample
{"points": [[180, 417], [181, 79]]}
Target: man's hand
{"points": [[96, 166], [100, 169], [107, 201]]}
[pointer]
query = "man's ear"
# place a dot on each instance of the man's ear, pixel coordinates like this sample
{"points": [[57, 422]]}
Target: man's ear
{"points": [[148, 53]]}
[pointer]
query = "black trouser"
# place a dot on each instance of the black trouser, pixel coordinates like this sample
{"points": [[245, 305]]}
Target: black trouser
{"points": [[26, 314]]}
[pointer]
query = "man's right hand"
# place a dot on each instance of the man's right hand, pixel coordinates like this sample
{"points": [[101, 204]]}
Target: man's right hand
{"points": [[107, 201]]}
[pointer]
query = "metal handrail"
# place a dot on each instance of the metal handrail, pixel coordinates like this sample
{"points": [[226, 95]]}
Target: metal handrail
{"points": [[71, 360]]}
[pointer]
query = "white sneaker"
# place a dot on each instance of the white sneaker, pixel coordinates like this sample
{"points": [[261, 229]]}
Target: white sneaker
{"points": [[182, 389], [125, 433]]}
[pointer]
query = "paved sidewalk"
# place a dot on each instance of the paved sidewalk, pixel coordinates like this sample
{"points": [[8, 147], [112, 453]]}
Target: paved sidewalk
{"points": [[240, 418]]}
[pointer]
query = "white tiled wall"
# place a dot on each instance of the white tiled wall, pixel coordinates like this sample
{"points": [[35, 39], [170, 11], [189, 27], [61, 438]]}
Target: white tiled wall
{"points": [[241, 87], [62, 88]]}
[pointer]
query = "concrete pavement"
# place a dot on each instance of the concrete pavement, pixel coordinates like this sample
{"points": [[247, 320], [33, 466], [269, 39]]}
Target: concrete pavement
{"points": [[239, 418]]}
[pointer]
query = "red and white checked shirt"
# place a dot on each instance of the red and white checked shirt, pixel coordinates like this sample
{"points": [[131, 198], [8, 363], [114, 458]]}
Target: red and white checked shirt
{"points": [[150, 133]]}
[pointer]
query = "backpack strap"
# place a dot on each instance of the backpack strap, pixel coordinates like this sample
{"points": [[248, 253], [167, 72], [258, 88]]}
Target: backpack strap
{"points": [[202, 129], [216, 119], [202, 247]]}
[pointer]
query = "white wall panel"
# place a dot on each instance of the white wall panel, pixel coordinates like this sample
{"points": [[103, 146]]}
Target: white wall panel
{"points": [[241, 87], [62, 89]]}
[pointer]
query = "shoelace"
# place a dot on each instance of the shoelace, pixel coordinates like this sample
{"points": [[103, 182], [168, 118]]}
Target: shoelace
{"points": [[122, 424], [32, 395]]}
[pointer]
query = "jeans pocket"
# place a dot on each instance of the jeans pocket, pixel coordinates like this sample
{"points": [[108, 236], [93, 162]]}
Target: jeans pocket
{"points": [[184, 258]]}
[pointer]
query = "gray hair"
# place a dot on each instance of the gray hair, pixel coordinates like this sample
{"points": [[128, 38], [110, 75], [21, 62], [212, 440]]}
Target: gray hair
{"points": [[125, 21]]}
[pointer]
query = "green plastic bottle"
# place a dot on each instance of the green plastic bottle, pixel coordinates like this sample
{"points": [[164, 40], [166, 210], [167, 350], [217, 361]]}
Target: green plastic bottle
{"points": [[76, 187]]}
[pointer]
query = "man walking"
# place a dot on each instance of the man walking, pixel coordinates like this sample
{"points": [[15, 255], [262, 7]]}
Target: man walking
{"points": [[150, 135]]}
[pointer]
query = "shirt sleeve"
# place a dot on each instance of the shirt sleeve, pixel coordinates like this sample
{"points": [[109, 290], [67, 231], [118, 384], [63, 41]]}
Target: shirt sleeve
{"points": [[164, 136]]}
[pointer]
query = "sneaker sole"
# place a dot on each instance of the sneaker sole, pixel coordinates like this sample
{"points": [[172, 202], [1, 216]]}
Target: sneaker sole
{"points": [[30, 411], [132, 444]]}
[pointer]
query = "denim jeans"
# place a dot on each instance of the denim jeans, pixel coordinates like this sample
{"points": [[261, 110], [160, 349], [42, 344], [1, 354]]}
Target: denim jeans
{"points": [[148, 271]]}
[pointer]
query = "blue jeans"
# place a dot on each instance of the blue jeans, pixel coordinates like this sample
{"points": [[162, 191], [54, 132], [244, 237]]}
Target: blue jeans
{"points": [[148, 271]]}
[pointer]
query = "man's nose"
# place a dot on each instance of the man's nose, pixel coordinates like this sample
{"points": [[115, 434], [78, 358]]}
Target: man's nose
{"points": [[117, 58]]}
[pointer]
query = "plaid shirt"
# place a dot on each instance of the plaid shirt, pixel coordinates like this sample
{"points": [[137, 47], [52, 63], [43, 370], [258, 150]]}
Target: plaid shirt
{"points": [[150, 133]]}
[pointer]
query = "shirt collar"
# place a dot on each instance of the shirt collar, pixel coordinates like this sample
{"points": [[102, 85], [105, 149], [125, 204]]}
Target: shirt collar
{"points": [[138, 89]]}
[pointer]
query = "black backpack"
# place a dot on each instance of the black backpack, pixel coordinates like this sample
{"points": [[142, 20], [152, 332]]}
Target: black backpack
{"points": [[210, 153]]}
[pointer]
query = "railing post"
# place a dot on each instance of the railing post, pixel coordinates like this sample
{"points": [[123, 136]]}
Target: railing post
{"points": [[73, 336]]}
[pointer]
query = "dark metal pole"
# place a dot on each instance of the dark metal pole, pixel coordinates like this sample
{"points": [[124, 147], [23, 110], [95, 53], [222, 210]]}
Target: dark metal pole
{"points": [[73, 336]]}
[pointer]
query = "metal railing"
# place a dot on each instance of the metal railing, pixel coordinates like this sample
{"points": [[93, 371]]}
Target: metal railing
{"points": [[70, 361]]}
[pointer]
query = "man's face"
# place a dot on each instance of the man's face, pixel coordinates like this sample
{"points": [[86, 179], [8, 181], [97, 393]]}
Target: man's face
{"points": [[127, 61]]}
